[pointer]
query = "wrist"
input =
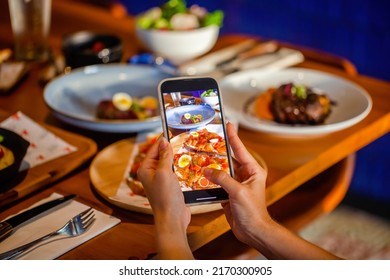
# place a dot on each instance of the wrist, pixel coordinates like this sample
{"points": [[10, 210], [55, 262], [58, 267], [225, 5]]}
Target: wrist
{"points": [[169, 225], [261, 232], [171, 237]]}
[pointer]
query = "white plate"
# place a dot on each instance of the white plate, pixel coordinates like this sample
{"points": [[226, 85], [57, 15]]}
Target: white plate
{"points": [[73, 98], [174, 116], [353, 103]]}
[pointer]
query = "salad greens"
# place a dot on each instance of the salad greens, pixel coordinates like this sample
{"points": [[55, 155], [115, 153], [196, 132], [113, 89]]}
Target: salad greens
{"points": [[209, 92], [174, 15], [300, 91]]}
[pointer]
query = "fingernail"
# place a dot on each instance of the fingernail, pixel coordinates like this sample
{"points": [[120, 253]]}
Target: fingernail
{"points": [[163, 143], [207, 171]]}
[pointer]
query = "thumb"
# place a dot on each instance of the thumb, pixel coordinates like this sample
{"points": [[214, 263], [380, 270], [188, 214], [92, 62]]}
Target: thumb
{"points": [[221, 178]]}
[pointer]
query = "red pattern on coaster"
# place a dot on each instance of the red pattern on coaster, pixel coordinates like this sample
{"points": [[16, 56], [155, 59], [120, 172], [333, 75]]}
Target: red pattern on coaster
{"points": [[40, 157], [16, 116]]}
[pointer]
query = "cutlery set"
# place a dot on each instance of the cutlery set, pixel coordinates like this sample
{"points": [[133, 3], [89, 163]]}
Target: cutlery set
{"points": [[248, 54], [74, 227]]}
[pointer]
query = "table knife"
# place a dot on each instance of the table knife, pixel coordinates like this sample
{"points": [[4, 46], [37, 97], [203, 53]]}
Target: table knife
{"points": [[8, 226], [280, 59], [210, 62]]}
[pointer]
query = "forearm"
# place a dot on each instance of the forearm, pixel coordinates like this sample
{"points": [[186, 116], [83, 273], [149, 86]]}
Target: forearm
{"points": [[276, 242], [172, 243]]}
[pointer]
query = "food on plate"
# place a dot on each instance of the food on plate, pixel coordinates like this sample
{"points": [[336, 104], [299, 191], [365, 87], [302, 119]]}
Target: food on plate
{"points": [[6, 157], [293, 104], [13, 148], [199, 149], [188, 168], [187, 118], [206, 141], [123, 106], [133, 181], [174, 15]]}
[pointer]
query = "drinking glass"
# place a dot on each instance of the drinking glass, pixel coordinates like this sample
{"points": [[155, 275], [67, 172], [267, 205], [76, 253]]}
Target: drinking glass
{"points": [[30, 20], [176, 96]]}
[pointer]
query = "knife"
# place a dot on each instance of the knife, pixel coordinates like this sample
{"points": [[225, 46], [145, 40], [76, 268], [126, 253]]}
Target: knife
{"points": [[209, 62], [8, 226], [280, 59]]}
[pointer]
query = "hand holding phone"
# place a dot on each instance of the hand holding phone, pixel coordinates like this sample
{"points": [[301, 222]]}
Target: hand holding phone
{"points": [[194, 124]]}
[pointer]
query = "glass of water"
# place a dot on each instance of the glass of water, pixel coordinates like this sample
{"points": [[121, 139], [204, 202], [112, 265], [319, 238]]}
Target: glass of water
{"points": [[30, 20], [176, 96]]}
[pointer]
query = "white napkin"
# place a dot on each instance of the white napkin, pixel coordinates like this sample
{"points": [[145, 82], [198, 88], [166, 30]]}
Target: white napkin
{"points": [[124, 195], [44, 145], [51, 221]]}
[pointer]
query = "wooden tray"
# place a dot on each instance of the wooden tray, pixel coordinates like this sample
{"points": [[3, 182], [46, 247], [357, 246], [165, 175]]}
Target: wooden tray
{"points": [[107, 172], [41, 175]]}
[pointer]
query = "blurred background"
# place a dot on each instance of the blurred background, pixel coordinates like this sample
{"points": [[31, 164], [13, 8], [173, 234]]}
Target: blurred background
{"points": [[356, 30]]}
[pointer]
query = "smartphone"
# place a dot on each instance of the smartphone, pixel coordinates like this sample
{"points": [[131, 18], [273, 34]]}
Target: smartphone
{"points": [[194, 124]]}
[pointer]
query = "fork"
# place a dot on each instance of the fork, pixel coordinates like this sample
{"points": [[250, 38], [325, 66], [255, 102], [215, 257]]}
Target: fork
{"points": [[74, 227]]}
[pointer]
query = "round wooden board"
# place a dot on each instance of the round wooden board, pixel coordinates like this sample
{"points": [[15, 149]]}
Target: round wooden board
{"points": [[107, 171]]}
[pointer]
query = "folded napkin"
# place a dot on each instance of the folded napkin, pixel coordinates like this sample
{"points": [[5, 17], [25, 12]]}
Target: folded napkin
{"points": [[51, 221], [44, 145]]}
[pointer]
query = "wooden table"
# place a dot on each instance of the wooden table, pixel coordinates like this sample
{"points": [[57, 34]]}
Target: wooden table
{"points": [[289, 168]]}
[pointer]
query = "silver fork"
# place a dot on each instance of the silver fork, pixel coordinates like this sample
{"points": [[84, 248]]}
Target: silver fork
{"points": [[74, 227]]}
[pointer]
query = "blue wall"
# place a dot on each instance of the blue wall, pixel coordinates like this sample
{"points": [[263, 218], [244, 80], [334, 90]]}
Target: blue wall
{"points": [[357, 30]]}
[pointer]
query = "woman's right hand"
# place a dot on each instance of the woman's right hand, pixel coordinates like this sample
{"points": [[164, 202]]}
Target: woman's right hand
{"points": [[246, 210]]}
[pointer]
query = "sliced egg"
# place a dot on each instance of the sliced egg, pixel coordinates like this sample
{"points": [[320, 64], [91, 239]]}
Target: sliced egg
{"points": [[214, 165], [187, 116], [184, 160], [194, 134], [203, 182], [122, 101]]}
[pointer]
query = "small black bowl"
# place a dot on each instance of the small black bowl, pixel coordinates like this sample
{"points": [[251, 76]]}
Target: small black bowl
{"points": [[88, 48], [187, 101], [18, 145]]}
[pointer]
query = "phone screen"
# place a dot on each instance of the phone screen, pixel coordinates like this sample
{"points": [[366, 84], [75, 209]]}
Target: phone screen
{"points": [[194, 125]]}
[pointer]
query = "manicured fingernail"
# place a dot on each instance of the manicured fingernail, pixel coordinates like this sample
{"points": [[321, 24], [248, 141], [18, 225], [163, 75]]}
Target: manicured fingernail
{"points": [[207, 171], [163, 143]]}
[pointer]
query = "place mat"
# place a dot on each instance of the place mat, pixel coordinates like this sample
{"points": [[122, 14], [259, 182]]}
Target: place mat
{"points": [[41, 175], [50, 221], [44, 145]]}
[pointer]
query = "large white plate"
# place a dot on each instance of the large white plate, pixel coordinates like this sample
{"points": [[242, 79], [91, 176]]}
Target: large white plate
{"points": [[73, 98], [174, 116], [353, 103]]}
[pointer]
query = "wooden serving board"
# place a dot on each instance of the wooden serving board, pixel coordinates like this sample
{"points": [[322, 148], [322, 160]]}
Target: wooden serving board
{"points": [[48, 172], [107, 172]]}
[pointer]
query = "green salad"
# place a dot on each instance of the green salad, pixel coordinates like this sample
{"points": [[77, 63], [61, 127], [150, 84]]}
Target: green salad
{"points": [[175, 15], [209, 92]]}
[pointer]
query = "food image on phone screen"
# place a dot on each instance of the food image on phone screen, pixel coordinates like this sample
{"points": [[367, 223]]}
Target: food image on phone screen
{"points": [[194, 125]]}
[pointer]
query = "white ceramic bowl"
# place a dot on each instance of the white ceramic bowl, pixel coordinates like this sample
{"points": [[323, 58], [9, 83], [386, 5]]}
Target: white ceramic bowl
{"points": [[211, 100], [179, 46]]}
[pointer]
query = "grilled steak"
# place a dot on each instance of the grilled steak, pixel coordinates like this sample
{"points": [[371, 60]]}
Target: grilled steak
{"points": [[293, 104]]}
